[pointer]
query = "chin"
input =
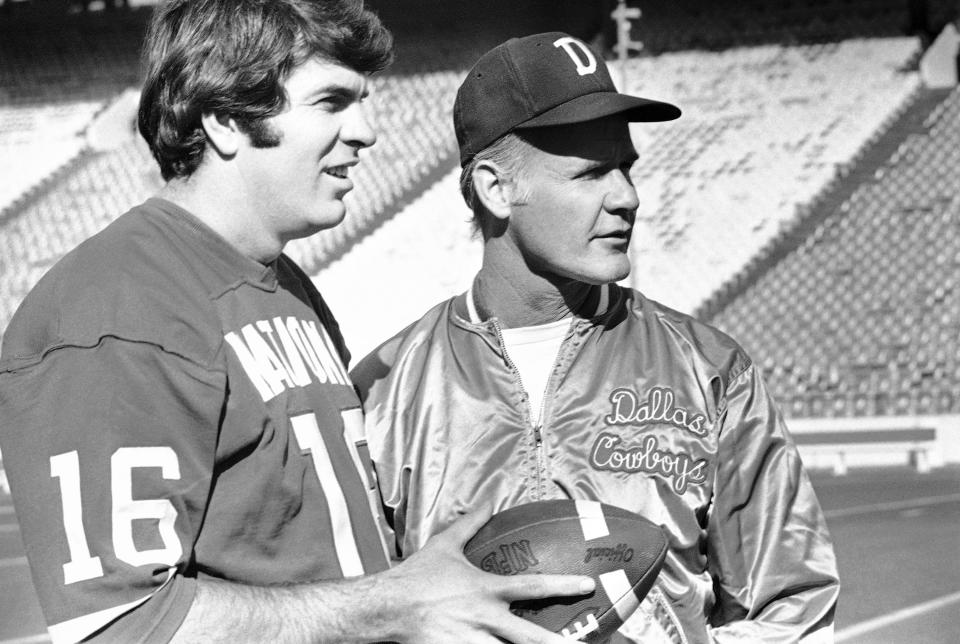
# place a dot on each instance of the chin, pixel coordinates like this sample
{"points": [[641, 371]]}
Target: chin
{"points": [[330, 216], [603, 277], [614, 273]]}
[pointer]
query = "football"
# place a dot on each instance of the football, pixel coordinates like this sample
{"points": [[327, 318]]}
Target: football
{"points": [[621, 550]]}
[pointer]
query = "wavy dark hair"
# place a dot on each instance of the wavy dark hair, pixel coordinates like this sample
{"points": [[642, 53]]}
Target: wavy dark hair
{"points": [[233, 57]]}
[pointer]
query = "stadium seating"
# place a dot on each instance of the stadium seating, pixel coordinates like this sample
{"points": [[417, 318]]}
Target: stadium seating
{"points": [[863, 317], [36, 141], [56, 73], [767, 130], [716, 143], [423, 255], [415, 144], [764, 130], [724, 24]]}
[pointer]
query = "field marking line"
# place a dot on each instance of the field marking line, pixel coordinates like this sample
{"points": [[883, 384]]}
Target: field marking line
{"points": [[887, 506], [11, 563], [9, 527], [29, 639], [901, 615], [6, 509]]}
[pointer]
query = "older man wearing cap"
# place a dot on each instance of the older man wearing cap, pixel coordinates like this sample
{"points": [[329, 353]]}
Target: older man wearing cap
{"points": [[548, 380]]}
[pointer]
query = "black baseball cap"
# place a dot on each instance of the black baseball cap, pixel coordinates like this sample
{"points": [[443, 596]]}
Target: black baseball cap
{"points": [[537, 81]]}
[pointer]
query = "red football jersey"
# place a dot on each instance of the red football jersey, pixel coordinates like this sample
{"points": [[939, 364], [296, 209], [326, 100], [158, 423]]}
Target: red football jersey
{"points": [[171, 409]]}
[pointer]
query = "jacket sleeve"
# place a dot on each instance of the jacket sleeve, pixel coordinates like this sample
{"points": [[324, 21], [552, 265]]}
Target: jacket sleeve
{"points": [[770, 553], [110, 452]]}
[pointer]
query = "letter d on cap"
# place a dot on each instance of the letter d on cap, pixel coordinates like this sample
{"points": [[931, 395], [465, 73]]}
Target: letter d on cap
{"points": [[566, 43]]}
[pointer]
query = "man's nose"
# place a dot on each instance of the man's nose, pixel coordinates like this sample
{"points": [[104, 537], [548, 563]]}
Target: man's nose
{"points": [[357, 130], [622, 197]]}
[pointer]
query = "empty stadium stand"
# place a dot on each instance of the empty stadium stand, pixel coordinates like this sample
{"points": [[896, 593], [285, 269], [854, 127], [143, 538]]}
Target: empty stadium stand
{"points": [[57, 72], [723, 24], [764, 130], [698, 178], [415, 147], [858, 314], [773, 208]]}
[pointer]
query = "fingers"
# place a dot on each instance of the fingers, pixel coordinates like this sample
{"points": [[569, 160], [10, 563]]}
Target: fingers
{"points": [[542, 586], [520, 631]]}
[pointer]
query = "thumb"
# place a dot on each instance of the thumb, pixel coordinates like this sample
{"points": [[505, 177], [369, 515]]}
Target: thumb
{"points": [[461, 530]]}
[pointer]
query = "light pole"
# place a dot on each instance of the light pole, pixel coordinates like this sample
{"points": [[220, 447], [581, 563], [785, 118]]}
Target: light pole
{"points": [[623, 15]]}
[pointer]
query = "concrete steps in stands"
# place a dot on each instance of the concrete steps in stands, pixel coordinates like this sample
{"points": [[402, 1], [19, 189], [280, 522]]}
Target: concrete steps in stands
{"points": [[910, 121]]}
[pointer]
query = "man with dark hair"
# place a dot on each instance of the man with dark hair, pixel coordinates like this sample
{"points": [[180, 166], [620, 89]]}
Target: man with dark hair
{"points": [[184, 445], [547, 380]]}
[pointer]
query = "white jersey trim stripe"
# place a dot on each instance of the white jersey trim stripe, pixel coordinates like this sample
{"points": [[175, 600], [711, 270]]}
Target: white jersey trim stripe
{"points": [[604, 303], [74, 630], [592, 521], [471, 307]]}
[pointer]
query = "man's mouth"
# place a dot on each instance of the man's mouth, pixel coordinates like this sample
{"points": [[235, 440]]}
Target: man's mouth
{"points": [[339, 171], [616, 234]]}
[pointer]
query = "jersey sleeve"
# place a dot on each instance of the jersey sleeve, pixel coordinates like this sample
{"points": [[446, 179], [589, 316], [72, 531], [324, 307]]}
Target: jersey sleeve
{"points": [[110, 451], [769, 548], [375, 378]]}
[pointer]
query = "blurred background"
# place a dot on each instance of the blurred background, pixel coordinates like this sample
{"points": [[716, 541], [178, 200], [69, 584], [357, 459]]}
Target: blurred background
{"points": [[807, 202]]}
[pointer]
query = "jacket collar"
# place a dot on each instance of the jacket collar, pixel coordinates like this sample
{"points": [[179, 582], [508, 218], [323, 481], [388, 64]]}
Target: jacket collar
{"points": [[467, 308]]}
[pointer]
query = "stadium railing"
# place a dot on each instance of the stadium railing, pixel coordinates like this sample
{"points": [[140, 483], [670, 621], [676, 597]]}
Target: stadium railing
{"points": [[838, 449]]}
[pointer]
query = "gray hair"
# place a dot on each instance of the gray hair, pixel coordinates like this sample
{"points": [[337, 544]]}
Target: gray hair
{"points": [[509, 153]]}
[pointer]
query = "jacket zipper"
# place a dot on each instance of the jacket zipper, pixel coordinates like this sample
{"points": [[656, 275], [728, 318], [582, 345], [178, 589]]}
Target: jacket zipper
{"points": [[537, 429], [541, 466]]}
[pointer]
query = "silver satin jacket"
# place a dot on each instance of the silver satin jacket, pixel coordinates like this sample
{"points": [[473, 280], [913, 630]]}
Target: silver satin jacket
{"points": [[646, 409]]}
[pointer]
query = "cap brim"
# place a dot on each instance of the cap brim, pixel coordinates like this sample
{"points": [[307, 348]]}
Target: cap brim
{"points": [[599, 104]]}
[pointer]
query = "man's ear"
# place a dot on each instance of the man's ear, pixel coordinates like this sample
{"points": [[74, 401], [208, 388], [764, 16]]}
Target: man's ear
{"points": [[222, 133], [494, 188]]}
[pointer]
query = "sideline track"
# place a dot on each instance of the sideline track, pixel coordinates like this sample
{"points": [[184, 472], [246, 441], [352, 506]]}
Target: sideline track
{"points": [[870, 625]]}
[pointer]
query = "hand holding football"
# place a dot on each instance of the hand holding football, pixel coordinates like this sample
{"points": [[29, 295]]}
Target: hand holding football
{"points": [[621, 550]]}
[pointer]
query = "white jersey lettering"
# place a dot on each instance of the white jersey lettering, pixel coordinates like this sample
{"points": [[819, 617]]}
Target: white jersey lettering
{"points": [[303, 345], [295, 364], [310, 440], [81, 566], [276, 355], [126, 509], [323, 346], [268, 363], [249, 364]]}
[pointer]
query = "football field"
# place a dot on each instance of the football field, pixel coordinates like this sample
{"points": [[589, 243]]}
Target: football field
{"points": [[896, 532]]}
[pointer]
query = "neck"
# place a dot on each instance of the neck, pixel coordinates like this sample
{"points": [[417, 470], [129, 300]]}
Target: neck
{"points": [[223, 209], [522, 298]]}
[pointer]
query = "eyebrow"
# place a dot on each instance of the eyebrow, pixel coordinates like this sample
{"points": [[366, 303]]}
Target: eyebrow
{"points": [[340, 91]]}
